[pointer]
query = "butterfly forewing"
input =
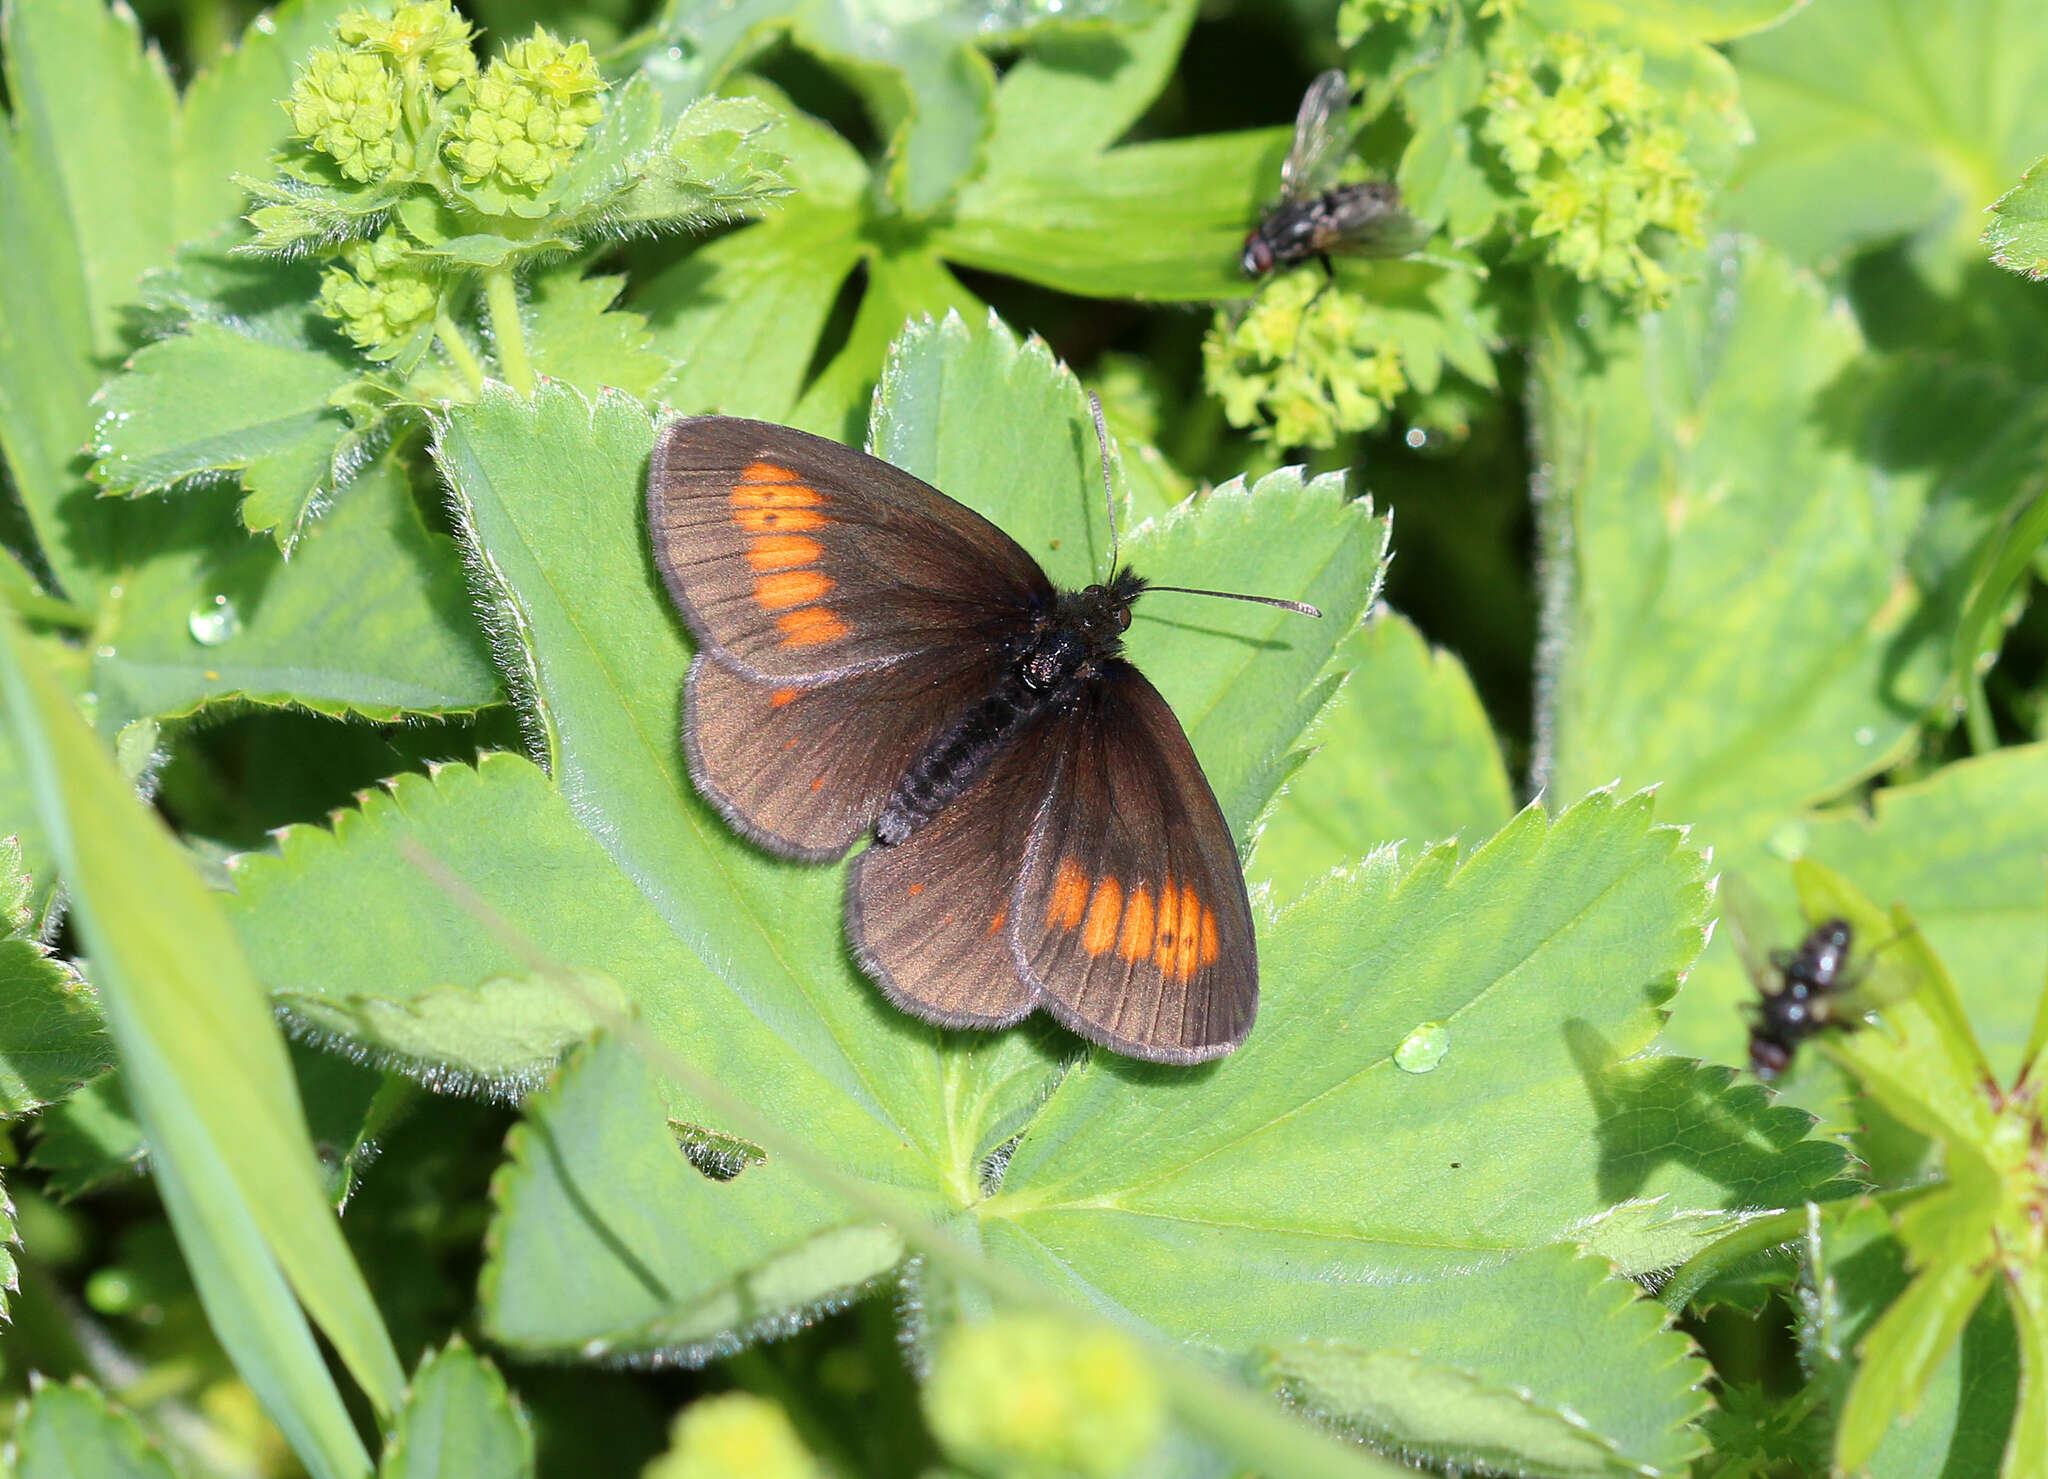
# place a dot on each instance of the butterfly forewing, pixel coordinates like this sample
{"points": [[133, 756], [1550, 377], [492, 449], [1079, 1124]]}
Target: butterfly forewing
{"points": [[802, 770], [1131, 917], [794, 558], [930, 917]]}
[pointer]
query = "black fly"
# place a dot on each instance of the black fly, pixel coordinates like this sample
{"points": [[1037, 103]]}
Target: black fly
{"points": [[1315, 216], [1810, 982]]}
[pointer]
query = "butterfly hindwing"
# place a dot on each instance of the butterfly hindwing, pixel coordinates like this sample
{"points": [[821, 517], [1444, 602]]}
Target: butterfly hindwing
{"points": [[792, 557], [802, 770], [1130, 916], [930, 917]]}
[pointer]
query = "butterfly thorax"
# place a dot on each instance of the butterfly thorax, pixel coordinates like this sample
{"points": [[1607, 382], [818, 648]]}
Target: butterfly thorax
{"points": [[1049, 664]]}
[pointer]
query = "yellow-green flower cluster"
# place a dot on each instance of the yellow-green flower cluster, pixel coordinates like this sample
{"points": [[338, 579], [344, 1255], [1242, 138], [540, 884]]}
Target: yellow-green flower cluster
{"points": [[1025, 1396], [379, 298], [430, 36], [1576, 126], [1308, 362], [361, 102], [527, 113], [349, 105], [733, 1434], [1356, 17]]}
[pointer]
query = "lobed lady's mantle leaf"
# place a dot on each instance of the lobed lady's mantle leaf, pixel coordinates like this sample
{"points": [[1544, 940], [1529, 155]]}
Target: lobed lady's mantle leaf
{"points": [[458, 1421], [1545, 956], [2018, 233]]}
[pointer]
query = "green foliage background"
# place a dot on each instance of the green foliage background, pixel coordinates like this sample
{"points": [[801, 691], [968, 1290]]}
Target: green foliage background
{"points": [[1677, 515]]}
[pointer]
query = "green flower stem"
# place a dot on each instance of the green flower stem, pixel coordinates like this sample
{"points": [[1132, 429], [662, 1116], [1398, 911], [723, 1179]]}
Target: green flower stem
{"points": [[457, 349], [501, 296]]}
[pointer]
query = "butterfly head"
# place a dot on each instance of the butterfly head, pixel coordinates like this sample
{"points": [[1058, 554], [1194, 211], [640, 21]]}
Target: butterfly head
{"points": [[1102, 613]]}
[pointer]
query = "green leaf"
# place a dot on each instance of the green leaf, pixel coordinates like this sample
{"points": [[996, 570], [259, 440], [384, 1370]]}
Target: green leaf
{"points": [[1073, 94], [1217, 1204], [458, 1422], [575, 334], [51, 1036], [230, 124], [210, 1082], [1405, 753], [607, 1237], [740, 318], [1162, 221], [901, 288], [720, 162], [89, 1140], [1906, 122], [1854, 1272], [213, 400], [1902, 1353], [73, 1432], [1397, 1392], [1963, 849], [2026, 1449], [1707, 518], [2018, 233], [368, 617]]}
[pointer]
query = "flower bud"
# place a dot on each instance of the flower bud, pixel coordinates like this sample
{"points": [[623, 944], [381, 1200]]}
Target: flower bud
{"points": [[527, 114], [731, 1435], [348, 104]]}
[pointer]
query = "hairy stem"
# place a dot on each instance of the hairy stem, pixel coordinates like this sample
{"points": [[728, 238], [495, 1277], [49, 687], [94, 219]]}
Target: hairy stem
{"points": [[501, 296], [458, 351]]}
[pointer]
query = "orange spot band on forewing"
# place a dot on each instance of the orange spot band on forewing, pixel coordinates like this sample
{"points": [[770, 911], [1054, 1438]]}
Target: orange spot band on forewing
{"points": [[782, 696], [777, 507], [915, 889], [1135, 943], [1211, 945], [995, 926], [1187, 950], [782, 551], [790, 588], [1104, 910], [809, 625], [818, 784], [767, 472], [1069, 899]]}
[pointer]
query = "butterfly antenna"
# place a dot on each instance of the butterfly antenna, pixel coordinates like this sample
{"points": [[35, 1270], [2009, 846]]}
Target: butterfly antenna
{"points": [[1109, 492], [1300, 608], [1108, 488]]}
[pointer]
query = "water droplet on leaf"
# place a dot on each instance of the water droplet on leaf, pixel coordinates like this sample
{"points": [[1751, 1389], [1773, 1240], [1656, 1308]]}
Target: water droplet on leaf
{"points": [[1424, 1048], [215, 622]]}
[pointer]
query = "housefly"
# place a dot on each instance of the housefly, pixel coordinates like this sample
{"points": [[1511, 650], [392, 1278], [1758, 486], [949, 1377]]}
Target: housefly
{"points": [[1316, 216], [1805, 998]]}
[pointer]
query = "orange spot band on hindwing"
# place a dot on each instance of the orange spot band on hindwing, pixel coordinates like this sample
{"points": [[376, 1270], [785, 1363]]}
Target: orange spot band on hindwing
{"points": [[809, 625], [767, 472], [782, 696], [1187, 950], [1069, 899], [1169, 920], [1135, 943], [995, 926], [782, 551], [1103, 912], [1211, 945], [790, 588]]}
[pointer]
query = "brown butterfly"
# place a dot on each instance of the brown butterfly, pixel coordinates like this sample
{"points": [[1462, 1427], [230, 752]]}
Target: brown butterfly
{"points": [[874, 656]]}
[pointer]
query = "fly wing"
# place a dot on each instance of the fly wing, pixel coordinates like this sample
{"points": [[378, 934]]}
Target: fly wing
{"points": [[1322, 137]]}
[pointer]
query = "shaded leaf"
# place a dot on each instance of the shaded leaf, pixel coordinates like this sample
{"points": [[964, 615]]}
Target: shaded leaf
{"points": [[51, 1036], [575, 334], [89, 1140]]}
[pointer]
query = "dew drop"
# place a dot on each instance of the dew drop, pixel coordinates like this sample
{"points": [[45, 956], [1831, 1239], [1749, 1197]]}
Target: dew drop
{"points": [[1416, 437], [103, 651], [1424, 1048], [1787, 841], [1866, 736], [215, 622]]}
